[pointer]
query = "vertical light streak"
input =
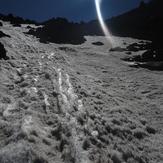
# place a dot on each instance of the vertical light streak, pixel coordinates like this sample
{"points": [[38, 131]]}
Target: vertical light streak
{"points": [[102, 23]]}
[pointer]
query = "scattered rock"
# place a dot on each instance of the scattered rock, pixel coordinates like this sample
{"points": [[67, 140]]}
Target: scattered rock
{"points": [[67, 49], [129, 53], [16, 25], [133, 47], [143, 121], [150, 59], [116, 157], [29, 27], [47, 76], [127, 154], [57, 132], [86, 144], [150, 130], [98, 43], [117, 122], [139, 133], [117, 49], [64, 142], [150, 55]]}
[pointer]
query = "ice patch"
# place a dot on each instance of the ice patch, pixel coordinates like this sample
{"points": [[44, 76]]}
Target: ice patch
{"points": [[36, 78], [32, 90], [40, 65], [94, 133], [51, 55], [68, 95], [46, 99], [25, 76], [70, 91], [27, 125], [80, 105], [30, 124], [70, 99]]}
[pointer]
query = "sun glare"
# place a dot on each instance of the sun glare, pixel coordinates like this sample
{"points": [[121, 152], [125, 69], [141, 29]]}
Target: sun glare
{"points": [[102, 22]]}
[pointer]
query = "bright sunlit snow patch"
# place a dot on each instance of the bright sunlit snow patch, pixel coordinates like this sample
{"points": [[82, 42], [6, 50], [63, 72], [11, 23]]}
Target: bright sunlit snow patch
{"points": [[102, 23]]}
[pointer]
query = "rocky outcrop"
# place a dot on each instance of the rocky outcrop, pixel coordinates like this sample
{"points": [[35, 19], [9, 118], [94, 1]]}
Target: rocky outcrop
{"points": [[2, 34], [3, 52]]}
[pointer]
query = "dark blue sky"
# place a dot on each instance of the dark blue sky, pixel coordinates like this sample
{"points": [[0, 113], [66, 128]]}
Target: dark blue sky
{"points": [[75, 10]]}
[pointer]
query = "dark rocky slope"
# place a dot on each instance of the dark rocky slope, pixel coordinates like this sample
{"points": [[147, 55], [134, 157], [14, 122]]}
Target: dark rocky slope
{"points": [[59, 31], [16, 20], [144, 22]]}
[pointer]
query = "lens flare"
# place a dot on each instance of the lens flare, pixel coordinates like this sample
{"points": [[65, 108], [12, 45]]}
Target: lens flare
{"points": [[102, 22]]}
